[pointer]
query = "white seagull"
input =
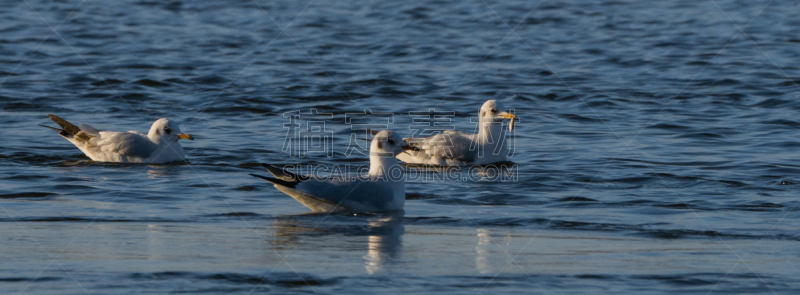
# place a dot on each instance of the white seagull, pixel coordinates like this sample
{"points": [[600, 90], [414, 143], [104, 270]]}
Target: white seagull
{"points": [[160, 145], [456, 148], [380, 190]]}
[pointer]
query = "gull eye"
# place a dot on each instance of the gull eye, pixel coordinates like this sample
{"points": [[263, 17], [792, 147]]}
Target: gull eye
{"points": [[391, 141], [167, 130], [494, 111]]}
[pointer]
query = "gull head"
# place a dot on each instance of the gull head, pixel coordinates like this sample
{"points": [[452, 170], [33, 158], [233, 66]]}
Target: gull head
{"points": [[495, 112], [166, 130], [389, 144]]}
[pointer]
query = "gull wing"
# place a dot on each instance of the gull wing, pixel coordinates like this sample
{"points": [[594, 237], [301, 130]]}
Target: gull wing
{"points": [[124, 143], [356, 195], [449, 144], [89, 130], [288, 183], [329, 194]]}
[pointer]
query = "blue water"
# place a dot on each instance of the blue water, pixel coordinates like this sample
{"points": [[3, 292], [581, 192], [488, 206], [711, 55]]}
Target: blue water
{"points": [[656, 152]]}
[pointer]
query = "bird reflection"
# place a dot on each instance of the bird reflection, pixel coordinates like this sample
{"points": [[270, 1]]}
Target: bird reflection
{"points": [[384, 243], [383, 235], [490, 241], [482, 251], [157, 171]]}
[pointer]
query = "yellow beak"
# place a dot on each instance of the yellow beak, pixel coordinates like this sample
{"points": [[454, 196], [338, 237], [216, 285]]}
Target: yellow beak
{"points": [[185, 136], [506, 115]]}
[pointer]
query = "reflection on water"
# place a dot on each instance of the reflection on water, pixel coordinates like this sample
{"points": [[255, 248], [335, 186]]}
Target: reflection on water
{"points": [[154, 243], [158, 171], [154, 172], [384, 242], [482, 251]]}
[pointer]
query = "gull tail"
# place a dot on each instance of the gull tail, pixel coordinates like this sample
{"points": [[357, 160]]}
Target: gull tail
{"points": [[61, 132], [68, 129], [52, 128]]}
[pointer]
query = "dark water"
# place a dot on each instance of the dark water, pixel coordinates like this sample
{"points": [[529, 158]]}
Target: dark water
{"points": [[657, 151]]}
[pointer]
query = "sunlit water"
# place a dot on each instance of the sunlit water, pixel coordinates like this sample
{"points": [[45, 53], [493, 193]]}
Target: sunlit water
{"points": [[656, 150]]}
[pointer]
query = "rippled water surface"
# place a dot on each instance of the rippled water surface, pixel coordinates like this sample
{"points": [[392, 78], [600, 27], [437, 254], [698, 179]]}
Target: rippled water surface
{"points": [[657, 150]]}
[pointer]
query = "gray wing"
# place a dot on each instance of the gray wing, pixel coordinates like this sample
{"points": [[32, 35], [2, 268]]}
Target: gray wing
{"points": [[455, 145], [123, 143], [348, 194]]}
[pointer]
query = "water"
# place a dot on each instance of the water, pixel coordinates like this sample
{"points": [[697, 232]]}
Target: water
{"points": [[656, 152]]}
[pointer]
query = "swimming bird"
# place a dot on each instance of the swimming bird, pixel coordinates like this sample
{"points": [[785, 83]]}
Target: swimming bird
{"points": [[160, 145], [382, 189], [456, 148]]}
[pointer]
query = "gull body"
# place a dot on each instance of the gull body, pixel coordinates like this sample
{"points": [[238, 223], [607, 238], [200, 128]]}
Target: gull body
{"points": [[160, 145], [382, 189], [456, 148]]}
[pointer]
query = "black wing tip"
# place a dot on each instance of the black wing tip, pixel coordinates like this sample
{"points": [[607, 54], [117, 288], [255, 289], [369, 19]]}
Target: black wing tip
{"points": [[52, 128], [264, 177], [284, 175], [276, 181], [68, 127], [270, 167], [61, 132]]}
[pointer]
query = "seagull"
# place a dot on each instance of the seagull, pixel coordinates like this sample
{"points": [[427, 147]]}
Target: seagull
{"points": [[160, 145], [382, 189], [456, 148]]}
